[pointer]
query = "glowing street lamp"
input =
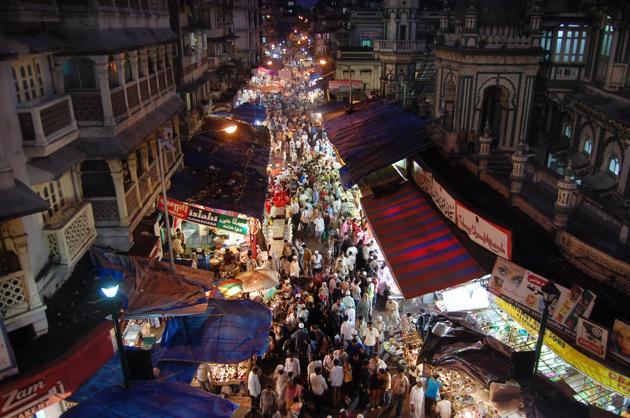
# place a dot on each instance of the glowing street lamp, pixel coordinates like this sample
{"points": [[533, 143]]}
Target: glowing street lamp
{"points": [[230, 129], [109, 287], [269, 63]]}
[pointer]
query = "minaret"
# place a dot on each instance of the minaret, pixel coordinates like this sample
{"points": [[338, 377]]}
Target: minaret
{"points": [[519, 162], [565, 200], [485, 141]]}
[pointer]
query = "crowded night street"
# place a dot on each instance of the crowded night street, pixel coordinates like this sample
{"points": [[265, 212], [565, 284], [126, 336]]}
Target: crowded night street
{"points": [[314, 209]]}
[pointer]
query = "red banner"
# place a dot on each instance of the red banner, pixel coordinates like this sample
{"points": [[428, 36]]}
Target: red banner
{"points": [[25, 396]]}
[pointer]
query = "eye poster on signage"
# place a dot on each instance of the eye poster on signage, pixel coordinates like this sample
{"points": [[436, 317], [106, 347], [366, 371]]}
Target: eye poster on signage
{"points": [[591, 337], [521, 287]]}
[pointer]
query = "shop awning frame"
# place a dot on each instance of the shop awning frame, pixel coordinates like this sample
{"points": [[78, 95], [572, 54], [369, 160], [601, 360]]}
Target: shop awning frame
{"points": [[422, 252]]}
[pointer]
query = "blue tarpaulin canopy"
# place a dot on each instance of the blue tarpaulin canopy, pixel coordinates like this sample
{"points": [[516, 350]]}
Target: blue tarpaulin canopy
{"points": [[225, 171], [152, 288], [231, 332], [375, 135], [153, 399], [250, 112], [111, 375]]}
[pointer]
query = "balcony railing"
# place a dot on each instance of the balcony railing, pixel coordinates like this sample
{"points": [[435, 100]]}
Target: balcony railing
{"points": [[154, 174], [13, 294], [145, 190], [87, 106], [131, 199], [70, 232], [404, 47], [119, 106], [105, 210], [47, 122]]}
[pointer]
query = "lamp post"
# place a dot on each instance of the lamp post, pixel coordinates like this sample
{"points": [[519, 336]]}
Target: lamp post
{"points": [[110, 290], [550, 294], [324, 62], [161, 142]]}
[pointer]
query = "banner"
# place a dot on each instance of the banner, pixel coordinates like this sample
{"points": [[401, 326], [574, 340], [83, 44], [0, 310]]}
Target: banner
{"points": [[620, 341], [202, 216], [8, 365], [521, 288], [423, 178], [343, 86], [591, 337], [483, 232], [23, 397], [444, 201], [590, 367]]}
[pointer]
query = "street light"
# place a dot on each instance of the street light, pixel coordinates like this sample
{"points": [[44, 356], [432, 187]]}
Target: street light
{"points": [[230, 129], [550, 294], [109, 287]]}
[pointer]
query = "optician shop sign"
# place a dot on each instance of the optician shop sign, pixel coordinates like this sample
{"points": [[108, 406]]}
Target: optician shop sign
{"points": [[202, 216], [521, 287]]}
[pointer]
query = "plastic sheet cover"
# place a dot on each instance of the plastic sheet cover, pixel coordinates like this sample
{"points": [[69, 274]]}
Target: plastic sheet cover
{"points": [[230, 332], [374, 136], [225, 171], [153, 399]]}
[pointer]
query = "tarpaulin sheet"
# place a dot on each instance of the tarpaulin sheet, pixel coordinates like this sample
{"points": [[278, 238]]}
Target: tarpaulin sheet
{"points": [[250, 112], [418, 245], [374, 136], [225, 171], [153, 399], [231, 332], [153, 288]]}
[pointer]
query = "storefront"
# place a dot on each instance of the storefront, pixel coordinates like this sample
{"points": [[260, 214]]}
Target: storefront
{"points": [[506, 323]]}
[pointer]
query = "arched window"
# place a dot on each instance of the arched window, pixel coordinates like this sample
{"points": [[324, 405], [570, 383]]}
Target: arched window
{"points": [[613, 165], [567, 130], [112, 72], [588, 146], [128, 73], [78, 74]]}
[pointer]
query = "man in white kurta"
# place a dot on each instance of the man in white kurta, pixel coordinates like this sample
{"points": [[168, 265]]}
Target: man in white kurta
{"points": [[416, 400]]}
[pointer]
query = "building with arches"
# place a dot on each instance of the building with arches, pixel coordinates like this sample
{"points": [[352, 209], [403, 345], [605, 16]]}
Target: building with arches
{"points": [[487, 58]]}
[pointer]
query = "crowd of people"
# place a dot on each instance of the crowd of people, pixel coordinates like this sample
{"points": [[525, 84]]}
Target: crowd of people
{"points": [[333, 309]]}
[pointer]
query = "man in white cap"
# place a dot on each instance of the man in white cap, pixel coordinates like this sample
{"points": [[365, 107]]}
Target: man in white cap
{"points": [[393, 315], [348, 301], [379, 324], [316, 262], [294, 268]]}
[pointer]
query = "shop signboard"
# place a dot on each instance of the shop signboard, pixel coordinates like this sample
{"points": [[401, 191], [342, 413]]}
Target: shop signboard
{"points": [[8, 365], [597, 371], [343, 86], [23, 397], [620, 341], [203, 216], [591, 337], [521, 287], [483, 232], [423, 178], [444, 201]]}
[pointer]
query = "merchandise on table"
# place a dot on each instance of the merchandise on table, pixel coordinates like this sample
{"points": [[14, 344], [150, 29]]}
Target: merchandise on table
{"points": [[142, 333], [228, 374]]}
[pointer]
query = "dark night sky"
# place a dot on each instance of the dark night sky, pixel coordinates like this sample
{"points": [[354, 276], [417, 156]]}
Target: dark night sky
{"points": [[307, 3]]}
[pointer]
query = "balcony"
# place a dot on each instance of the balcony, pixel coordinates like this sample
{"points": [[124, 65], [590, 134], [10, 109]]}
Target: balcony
{"points": [[105, 211], [399, 47], [70, 233], [48, 126], [131, 200]]}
